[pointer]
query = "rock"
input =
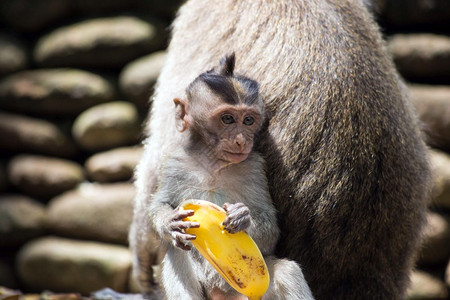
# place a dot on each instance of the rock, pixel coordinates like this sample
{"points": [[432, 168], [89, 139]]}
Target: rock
{"points": [[425, 286], [416, 12], [94, 212], [54, 91], [103, 6], [435, 248], [114, 165], [21, 219], [447, 275], [7, 278], [101, 42], [138, 78], [440, 163], [25, 134], [3, 177], [109, 294], [432, 104], [107, 125], [31, 15], [13, 54], [166, 8], [47, 295], [133, 283], [421, 56], [9, 294], [44, 177], [63, 265]]}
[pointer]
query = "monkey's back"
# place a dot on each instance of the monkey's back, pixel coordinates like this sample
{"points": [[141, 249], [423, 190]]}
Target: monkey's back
{"points": [[346, 162]]}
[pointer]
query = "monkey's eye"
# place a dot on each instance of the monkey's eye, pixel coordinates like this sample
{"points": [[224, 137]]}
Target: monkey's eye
{"points": [[249, 120], [227, 119]]}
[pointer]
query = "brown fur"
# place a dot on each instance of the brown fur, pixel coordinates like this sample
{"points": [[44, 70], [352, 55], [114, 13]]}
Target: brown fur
{"points": [[347, 166]]}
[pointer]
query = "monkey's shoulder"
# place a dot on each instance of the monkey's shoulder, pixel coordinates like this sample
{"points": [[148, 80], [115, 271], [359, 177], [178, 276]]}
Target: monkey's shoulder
{"points": [[177, 165]]}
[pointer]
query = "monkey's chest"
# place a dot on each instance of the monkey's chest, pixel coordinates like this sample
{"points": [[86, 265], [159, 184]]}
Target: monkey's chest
{"points": [[215, 195], [214, 190]]}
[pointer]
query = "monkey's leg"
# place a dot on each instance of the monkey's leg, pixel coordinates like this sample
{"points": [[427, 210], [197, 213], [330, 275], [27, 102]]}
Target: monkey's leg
{"points": [[144, 243], [144, 259], [286, 281], [179, 276]]}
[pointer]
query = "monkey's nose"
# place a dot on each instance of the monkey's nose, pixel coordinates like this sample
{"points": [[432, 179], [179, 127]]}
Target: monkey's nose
{"points": [[240, 140]]}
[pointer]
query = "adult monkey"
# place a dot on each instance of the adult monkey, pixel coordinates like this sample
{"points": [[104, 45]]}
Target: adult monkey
{"points": [[347, 166]]}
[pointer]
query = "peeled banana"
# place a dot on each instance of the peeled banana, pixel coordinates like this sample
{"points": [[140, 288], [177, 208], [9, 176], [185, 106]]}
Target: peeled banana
{"points": [[235, 256]]}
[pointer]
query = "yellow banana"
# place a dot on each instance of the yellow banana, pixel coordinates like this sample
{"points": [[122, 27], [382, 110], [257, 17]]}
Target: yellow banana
{"points": [[235, 256]]}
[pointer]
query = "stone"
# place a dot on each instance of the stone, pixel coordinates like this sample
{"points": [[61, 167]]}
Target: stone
{"points": [[415, 12], [113, 165], [440, 164], [13, 54], [421, 56], [3, 178], [31, 15], [25, 134], [138, 78], [425, 286], [21, 219], [103, 6], [63, 265], [93, 212], [108, 125], [109, 294], [435, 249], [447, 275], [432, 104], [54, 91], [44, 177], [166, 8], [7, 293], [100, 42]]}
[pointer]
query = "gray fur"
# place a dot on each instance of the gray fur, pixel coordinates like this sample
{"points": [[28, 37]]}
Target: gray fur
{"points": [[185, 275], [346, 163]]}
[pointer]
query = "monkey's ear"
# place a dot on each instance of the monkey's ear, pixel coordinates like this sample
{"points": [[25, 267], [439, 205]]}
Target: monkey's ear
{"points": [[181, 111], [226, 67]]}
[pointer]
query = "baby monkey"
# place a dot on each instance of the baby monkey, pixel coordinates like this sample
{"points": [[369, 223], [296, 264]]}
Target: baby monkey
{"points": [[221, 117]]}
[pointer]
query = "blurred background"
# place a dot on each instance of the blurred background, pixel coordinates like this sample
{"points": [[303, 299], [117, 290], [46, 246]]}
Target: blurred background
{"points": [[75, 79]]}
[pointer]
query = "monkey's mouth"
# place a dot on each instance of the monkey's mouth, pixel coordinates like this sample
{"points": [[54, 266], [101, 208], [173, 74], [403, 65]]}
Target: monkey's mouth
{"points": [[235, 157]]}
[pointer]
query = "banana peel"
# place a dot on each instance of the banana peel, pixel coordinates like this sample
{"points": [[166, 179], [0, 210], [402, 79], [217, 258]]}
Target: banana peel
{"points": [[235, 256]]}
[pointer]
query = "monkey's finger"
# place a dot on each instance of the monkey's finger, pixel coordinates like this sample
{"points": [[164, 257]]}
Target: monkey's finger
{"points": [[240, 223], [180, 236], [237, 208], [182, 225], [187, 225], [181, 214], [182, 245], [236, 217], [238, 213], [232, 206], [181, 240]]}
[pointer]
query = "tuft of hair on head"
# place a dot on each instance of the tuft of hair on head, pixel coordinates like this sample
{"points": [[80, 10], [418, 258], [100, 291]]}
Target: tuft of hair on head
{"points": [[226, 66], [221, 80]]}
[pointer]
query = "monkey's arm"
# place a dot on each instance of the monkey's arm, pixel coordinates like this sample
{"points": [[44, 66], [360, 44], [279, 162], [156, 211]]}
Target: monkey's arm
{"points": [[259, 221], [167, 221], [254, 211], [238, 217]]}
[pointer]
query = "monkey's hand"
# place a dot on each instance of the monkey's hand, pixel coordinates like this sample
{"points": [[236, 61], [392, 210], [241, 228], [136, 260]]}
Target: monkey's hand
{"points": [[238, 217], [177, 226]]}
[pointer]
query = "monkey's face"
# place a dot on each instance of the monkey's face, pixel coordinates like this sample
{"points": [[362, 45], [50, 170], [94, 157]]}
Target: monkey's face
{"points": [[235, 127]]}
